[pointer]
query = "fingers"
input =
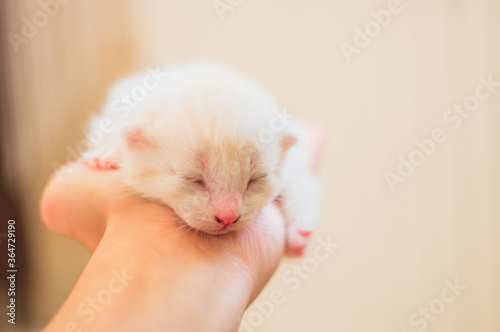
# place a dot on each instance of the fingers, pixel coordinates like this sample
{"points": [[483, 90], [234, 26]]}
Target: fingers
{"points": [[73, 205]]}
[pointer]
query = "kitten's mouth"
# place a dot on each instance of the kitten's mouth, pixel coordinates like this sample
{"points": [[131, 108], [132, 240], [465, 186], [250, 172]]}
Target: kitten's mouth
{"points": [[223, 229], [217, 231]]}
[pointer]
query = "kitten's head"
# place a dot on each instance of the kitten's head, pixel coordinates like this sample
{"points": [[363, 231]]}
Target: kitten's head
{"points": [[215, 187], [210, 147]]}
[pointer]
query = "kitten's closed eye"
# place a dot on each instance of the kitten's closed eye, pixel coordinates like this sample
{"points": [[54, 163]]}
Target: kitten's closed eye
{"points": [[256, 179], [195, 180]]}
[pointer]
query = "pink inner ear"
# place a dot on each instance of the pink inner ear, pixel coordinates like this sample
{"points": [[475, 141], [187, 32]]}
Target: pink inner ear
{"points": [[287, 142], [135, 136]]}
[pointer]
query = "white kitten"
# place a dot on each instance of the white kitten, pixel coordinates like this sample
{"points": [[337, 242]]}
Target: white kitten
{"points": [[212, 145]]}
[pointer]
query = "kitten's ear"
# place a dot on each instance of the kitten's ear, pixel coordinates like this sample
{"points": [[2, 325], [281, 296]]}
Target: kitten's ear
{"points": [[136, 136], [287, 142]]}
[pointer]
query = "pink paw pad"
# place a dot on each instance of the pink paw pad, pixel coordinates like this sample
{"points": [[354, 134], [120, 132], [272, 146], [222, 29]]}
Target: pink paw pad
{"points": [[296, 250], [108, 160], [305, 232], [297, 242]]}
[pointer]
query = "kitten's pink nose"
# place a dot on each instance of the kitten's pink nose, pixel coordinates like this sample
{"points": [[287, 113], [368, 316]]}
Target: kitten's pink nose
{"points": [[227, 211], [227, 221]]}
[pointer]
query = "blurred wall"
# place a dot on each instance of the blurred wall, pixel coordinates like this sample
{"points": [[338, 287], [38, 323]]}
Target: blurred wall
{"points": [[59, 69], [409, 172]]}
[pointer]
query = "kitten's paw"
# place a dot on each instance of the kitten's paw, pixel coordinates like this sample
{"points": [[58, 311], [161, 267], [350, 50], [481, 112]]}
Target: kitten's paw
{"points": [[296, 243], [102, 159]]}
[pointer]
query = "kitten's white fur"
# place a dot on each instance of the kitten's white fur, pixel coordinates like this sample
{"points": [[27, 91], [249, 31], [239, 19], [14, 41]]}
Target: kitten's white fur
{"points": [[206, 122]]}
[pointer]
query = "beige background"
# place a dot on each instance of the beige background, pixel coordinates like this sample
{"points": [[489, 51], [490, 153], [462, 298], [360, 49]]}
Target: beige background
{"points": [[397, 249]]}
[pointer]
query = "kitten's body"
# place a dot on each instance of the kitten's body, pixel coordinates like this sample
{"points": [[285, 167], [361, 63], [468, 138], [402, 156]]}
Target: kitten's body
{"points": [[213, 146]]}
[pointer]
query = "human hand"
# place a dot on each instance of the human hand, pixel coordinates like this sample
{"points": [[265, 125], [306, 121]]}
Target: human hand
{"points": [[182, 279], [191, 278]]}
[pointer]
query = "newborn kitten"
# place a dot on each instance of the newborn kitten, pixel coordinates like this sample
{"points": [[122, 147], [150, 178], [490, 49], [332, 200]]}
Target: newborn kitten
{"points": [[210, 144]]}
